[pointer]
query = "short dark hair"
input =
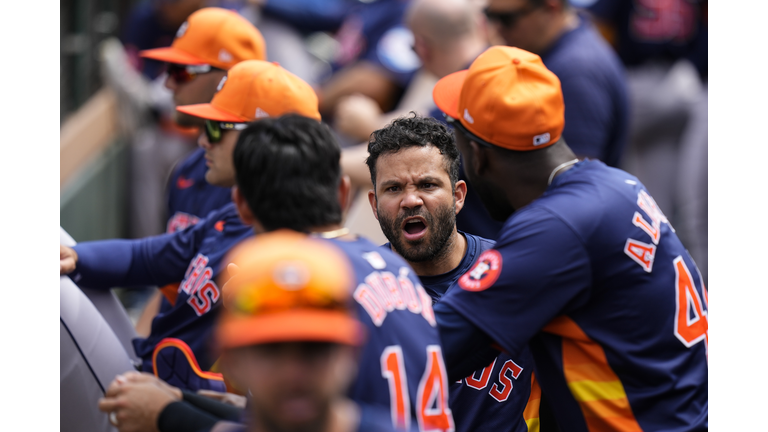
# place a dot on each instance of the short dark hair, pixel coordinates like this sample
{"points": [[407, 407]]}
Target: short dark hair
{"points": [[414, 131], [287, 168]]}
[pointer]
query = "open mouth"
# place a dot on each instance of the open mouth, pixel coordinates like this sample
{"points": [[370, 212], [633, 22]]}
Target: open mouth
{"points": [[414, 228]]}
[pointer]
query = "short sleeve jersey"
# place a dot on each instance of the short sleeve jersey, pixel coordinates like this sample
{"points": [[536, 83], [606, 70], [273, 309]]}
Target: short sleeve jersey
{"points": [[594, 279], [193, 256], [401, 364], [594, 91], [499, 397], [190, 197]]}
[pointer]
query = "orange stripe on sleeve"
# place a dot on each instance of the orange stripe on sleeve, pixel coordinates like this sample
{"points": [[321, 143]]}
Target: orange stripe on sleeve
{"points": [[531, 412]]}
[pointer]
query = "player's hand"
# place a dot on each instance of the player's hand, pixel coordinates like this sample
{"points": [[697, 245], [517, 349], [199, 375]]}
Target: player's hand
{"points": [[144, 377], [357, 116], [227, 398], [134, 403], [68, 260]]}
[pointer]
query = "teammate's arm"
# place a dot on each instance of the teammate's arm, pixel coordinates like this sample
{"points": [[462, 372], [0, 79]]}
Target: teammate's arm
{"points": [[538, 271], [156, 260], [466, 348]]}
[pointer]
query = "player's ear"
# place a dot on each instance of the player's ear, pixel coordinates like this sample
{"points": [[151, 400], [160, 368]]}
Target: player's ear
{"points": [[372, 200], [480, 157], [460, 194], [243, 210], [345, 194]]}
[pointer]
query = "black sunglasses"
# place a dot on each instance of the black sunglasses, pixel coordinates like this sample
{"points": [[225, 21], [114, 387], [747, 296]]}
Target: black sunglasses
{"points": [[185, 73], [214, 129], [509, 19]]}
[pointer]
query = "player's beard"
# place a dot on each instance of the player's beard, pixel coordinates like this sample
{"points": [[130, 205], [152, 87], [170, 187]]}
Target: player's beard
{"points": [[433, 245]]}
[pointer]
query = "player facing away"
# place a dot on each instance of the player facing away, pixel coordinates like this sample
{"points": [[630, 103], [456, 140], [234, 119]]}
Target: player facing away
{"points": [[587, 271], [252, 88], [207, 45], [288, 176], [414, 166]]}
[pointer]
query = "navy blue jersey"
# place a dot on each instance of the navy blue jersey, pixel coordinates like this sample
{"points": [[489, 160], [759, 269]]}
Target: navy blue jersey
{"points": [[494, 398], [192, 256], [594, 92], [401, 364], [190, 197], [595, 281], [654, 30]]}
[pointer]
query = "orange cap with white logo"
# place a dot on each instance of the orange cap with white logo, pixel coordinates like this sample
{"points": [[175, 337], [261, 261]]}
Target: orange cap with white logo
{"points": [[288, 287], [507, 97], [214, 36], [256, 89]]}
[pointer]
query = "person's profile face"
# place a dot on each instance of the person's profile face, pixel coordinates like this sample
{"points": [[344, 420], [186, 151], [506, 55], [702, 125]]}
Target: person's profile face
{"points": [[415, 201], [518, 22], [219, 159]]}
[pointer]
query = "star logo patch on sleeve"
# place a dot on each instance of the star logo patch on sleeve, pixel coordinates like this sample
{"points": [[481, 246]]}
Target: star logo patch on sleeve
{"points": [[484, 273]]}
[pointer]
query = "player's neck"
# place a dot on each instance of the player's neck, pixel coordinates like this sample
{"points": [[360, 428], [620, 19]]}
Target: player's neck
{"points": [[330, 231], [454, 252]]}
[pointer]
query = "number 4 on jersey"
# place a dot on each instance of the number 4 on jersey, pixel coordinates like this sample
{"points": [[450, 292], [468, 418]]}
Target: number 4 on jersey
{"points": [[433, 413], [691, 321]]}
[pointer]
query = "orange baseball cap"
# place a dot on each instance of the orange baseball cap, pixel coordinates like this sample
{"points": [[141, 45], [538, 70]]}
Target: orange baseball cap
{"points": [[255, 89], [289, 287], [507, 97], [214, 36]]}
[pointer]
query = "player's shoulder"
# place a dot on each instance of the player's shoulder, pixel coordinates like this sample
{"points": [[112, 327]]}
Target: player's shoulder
{"points": [[365, 253]]}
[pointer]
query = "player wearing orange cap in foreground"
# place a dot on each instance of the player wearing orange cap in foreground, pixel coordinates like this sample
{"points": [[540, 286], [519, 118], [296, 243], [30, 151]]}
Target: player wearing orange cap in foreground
{"points": [[587, 271], [178, 348]]}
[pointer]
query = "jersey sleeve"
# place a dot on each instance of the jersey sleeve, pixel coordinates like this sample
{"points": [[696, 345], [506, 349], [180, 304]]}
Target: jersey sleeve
{"points": [[156, 260], [538, 271], [466, 348]]}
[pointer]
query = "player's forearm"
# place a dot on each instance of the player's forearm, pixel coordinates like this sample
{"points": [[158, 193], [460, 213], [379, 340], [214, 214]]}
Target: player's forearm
{"points": [[102, 264]]}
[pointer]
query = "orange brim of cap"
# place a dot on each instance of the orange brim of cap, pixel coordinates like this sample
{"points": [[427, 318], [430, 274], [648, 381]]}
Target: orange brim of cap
{"points": [[172, 55], [447, 92], [291, 326], [210, 112]]}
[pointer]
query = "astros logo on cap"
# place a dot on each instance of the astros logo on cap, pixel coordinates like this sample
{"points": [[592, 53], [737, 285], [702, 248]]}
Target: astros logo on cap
{"points": [[214, 36], [288, 287], [507, 98], [256, 89]]}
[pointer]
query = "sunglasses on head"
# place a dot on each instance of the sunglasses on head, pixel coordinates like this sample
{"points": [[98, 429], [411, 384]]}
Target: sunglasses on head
{"points": [[186, 73], [509, 19], [215, 129]]}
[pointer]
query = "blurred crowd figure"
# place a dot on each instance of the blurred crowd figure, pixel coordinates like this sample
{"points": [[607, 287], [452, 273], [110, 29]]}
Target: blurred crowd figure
{"points": [[633, 73]]}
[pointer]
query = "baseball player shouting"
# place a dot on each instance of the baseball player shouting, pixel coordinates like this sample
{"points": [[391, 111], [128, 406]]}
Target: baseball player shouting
{"points": [[288, 176], [587, 271], [251, 89], [414, 167]]}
